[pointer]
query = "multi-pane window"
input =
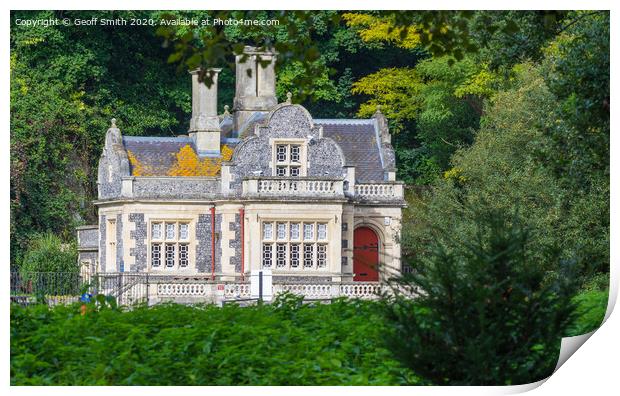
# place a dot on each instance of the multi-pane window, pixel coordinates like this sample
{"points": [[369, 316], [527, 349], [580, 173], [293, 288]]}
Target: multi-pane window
{"points": [[322, 231], [183, 255], [281, 255], [267, 230], [308, 255], [267, 255], [321, 255], [281, 231], [294, 255], [169, 245], [155, 255], [295, 231], [308, 231], [170, 255], [295, 245], [288, 160]]}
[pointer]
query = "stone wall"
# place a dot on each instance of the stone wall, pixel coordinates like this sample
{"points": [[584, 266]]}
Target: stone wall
{"points": [[236, 243], [90, 257], [203, 239], [254, 155], [139, 252], [119, 242], [88, 237], [102, 242], [175, 187]]}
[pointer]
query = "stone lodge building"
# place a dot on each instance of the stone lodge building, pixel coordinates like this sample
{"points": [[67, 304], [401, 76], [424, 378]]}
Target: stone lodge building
{"points": [[266, 187]]}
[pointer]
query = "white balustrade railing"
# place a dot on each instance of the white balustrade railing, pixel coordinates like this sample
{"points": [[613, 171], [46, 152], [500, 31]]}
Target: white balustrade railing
{"points": [[231, 291], [293, 186], [379, 191], [365, 290], [237, 290], [182, 289], [360, 290], [304, 289]]}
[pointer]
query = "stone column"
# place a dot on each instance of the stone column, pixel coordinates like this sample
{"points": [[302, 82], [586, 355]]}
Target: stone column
{"points": [[204, 127]]}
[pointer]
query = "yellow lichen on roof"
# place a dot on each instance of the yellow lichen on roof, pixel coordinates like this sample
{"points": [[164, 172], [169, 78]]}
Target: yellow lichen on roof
{"points": [[189, 164], [137, 168]]}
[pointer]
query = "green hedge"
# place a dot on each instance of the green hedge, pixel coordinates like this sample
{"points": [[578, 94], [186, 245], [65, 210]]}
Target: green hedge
{"points": [[283, 344]]}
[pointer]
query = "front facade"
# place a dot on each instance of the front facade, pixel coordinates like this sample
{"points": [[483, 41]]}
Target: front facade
{"points": [[266, 187]]}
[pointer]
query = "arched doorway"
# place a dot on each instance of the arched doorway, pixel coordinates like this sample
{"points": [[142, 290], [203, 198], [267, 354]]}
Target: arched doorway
{"points": [[365, 255]]}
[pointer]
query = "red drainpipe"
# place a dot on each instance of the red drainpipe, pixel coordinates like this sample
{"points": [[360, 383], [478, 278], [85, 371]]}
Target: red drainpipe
{"points": [[242, 221], [213, 243]]}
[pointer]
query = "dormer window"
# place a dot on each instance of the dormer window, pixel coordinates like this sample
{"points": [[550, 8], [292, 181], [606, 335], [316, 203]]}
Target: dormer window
{"points": [[289, 159]]}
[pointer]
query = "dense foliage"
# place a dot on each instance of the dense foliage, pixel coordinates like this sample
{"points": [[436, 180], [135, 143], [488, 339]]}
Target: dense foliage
{"points": [[521, 158], [282, 344], [47, 253], [486, 311]]}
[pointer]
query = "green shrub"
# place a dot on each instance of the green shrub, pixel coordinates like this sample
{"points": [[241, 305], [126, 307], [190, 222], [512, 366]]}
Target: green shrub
{"points": [[50, 266], [591, 308], [487, 313], [286, 343]]}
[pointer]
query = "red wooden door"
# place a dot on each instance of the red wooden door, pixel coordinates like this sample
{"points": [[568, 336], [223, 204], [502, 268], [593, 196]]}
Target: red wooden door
{"points": [[365, 255]]}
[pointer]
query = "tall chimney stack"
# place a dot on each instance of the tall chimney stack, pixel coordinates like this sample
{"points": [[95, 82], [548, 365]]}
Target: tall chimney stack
{"points": [[204, 127], [257, 91]]}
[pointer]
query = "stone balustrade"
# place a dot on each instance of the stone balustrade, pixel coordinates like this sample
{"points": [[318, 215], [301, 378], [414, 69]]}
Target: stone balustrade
{"points": [[237, 290], [303, 289], [293, 187], [379, 191], [182, 289], [366, 290]]}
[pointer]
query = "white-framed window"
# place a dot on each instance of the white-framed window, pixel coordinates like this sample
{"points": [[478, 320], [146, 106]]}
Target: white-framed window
{"points": [[288, 159], [169, 244], [294, 257], [111, 242], [267, 255], [308, 231], [295, 231], [281, 231], [155, 255], [295, 245], [281, 255], [267, 231]]}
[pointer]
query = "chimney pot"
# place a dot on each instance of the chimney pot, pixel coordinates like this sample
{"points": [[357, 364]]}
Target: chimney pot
{"points": [[255, 88], [204, 127]]}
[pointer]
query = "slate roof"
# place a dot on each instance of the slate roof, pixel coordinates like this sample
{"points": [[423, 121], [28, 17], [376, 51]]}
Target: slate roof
{"points": [[360, 143], [358, 139], [247, 129], [157, 155]]}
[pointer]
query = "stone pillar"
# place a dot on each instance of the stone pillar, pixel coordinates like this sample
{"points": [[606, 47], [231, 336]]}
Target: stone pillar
{"points": [[204, 127], [382, 123], [255, 84]]}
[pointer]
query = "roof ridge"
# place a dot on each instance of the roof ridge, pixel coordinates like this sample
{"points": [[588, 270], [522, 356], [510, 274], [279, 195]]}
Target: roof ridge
{"points": [[157, 138], [344, 121]]}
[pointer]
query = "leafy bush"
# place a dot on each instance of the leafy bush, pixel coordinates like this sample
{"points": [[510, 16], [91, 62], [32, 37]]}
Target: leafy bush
{"points": [[286, 343], [591, 308], [50, 266], [487, 313], [47, 253]]}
